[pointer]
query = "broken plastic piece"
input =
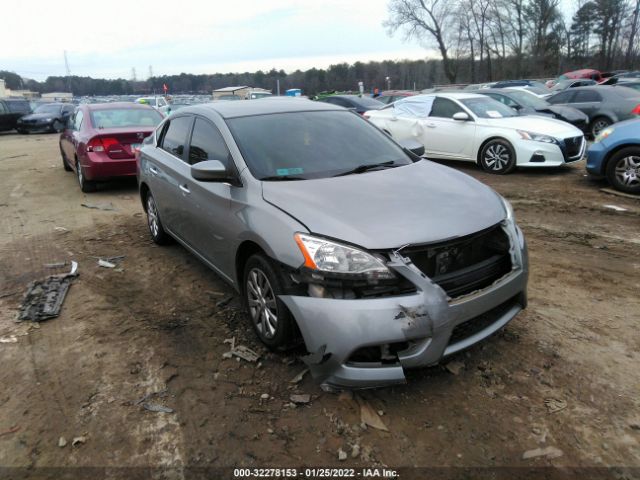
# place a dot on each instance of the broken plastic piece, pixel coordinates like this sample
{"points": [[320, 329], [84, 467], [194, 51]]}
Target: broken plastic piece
{"points": [[44, 298], [106, 264]]}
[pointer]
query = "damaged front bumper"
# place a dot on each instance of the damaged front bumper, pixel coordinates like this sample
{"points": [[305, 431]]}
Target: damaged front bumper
{"points": [[418, 328]]}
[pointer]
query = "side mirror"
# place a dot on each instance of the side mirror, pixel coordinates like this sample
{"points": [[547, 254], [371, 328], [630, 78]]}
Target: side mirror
{"points": [[516, 107], [210, 171], [461, 116], [416, 148]]}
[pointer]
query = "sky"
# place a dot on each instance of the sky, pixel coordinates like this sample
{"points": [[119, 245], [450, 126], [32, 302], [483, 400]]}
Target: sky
{"points": [[107, 39]]}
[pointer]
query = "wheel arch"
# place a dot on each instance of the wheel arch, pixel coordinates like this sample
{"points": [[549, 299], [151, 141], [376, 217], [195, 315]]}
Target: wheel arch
{"points": [[244, 251], [489, 139], [144, 191], [613, 152]]}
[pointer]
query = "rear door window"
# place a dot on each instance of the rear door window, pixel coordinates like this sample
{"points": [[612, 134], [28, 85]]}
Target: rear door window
{"points": [[584, 96], [444, 108], [77, 121], [563, 97], [175, 136]]}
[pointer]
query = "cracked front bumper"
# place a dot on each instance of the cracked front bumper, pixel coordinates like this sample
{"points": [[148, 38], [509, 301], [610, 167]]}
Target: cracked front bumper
{"points": [[428, 321]]}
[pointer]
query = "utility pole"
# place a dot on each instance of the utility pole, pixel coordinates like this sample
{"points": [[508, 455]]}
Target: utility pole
{"points": [[150, 71], [68, 70], [133, 74], [278, 86]]}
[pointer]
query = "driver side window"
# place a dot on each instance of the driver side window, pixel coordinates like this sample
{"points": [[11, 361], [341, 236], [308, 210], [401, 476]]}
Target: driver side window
{"points": [[444, 108], [77, 120]]}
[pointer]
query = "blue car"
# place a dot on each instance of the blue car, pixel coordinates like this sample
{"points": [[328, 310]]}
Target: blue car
{"points": [[615, 154]]}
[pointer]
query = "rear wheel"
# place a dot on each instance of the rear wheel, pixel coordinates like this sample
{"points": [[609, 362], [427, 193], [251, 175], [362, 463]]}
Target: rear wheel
{"points": [[57, 126], [85, 185], [598, 124], [271, 320], [623, 170], [498, 157], [158, 235]]}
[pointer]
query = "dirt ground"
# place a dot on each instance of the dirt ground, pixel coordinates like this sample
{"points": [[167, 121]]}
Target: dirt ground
{"points": [[564, 374]]}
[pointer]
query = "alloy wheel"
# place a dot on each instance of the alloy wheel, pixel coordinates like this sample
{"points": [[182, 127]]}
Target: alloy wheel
{"points": [[627, 171], [262, 304], [152, 217], [598, 126], [497, 157]]}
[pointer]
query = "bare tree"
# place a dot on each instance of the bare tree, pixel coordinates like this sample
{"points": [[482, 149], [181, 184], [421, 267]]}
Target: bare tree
{"points": [[431, 18]]}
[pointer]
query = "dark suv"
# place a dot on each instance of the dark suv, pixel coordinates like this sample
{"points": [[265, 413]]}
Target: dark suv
{"points": [[11, 109]]}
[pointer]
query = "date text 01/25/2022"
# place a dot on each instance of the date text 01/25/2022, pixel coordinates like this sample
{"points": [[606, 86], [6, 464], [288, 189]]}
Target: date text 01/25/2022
{"points": [[314, 473]]}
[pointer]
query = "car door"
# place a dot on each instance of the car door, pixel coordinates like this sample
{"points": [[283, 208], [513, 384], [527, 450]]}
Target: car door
{"points": [[562, 98], [588, 101], [168, 171], [208, 227], [446, 137], [70, 137]]}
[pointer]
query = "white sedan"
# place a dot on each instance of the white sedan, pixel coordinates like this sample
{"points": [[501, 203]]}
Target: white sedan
{"points": [[479, 129]]}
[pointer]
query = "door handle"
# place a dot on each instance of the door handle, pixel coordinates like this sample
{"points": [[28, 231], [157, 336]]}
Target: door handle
{"points": [[431, 125], [153, 170], [184, 189]]}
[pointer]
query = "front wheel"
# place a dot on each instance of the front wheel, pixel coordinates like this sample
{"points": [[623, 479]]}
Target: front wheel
{"points": [[498, 157], [623, 170], [57, 126], [271, 320]]}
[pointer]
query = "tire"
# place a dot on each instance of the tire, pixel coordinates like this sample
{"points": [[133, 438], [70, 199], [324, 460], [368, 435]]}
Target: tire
{"points": [[65, 164], [269, 316], [86, 186], [156, 229], [623, 170], [598, 124], [498, 157], [57, 126]]}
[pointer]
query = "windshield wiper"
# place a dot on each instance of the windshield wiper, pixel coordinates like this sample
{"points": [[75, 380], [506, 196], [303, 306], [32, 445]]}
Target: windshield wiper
{"points": [[366, 168], [283, 177]]}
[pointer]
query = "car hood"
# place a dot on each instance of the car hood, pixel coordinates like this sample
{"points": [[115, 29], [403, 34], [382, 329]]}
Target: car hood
{"points": [[419, 203], [535, 123], [39, 116], [569, 113]]}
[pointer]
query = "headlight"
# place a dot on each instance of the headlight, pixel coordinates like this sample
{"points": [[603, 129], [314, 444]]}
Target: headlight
{"points": [[603, 134], [509, 210], [330, 257], [536, 137], [48, 119]]}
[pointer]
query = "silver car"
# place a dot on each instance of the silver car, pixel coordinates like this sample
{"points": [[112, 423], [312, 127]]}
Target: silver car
{"points": [[334, 233]]}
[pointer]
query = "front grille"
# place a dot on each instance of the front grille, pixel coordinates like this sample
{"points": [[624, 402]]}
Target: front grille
{"points": [[573, 147], [465, 264], [479, 323]]}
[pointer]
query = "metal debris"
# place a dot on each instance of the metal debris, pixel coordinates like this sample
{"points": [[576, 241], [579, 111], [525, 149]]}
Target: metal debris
{"points": [[555, 404], [44, 298], [106, 264], [369, 416], [154, 407], [616, 208], [549, 452], [55, 265], [298, 378], [78, 440], [240, 351], [304, 398], [104, 206]]}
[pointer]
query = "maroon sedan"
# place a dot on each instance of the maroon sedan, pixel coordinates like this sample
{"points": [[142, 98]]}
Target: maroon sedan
{"points": [[100, 140]]}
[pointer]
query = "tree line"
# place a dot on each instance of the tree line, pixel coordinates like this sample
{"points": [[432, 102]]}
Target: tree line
{"points": [[477, 41], [484, 40]]}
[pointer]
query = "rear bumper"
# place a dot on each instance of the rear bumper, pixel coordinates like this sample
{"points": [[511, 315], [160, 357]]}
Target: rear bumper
{"points": [[428, 324], [98, 166]]}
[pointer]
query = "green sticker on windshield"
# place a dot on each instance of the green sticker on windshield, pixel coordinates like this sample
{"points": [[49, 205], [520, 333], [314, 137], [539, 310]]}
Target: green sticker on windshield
{"points": [[289, 171]]}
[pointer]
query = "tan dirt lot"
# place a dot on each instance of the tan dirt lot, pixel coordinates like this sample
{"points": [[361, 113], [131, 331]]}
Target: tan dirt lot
{"points": [[158, 324]]}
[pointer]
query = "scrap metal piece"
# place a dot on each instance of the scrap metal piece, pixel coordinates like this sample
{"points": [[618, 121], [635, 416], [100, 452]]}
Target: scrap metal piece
{"points": [[44, 298]]}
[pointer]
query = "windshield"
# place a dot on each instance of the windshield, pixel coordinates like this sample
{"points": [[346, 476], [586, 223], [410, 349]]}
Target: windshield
{"points": [[51, 109], [485, 107], [528, 100], [311, 144], [125, 117]]}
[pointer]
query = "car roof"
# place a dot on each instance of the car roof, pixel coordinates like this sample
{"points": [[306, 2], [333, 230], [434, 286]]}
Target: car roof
{"points": [[455, 95], [246, 108]]}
